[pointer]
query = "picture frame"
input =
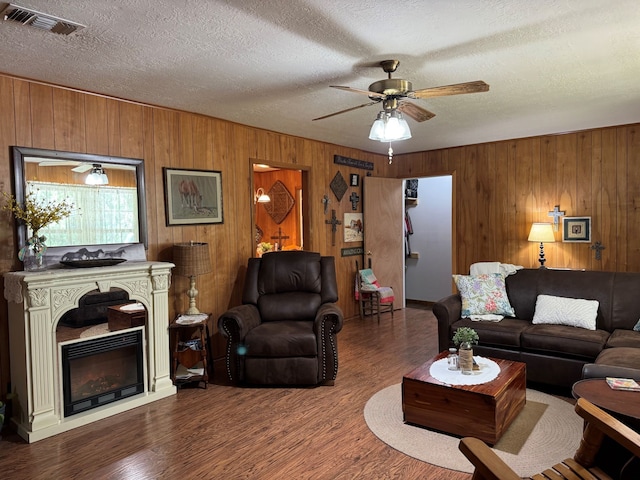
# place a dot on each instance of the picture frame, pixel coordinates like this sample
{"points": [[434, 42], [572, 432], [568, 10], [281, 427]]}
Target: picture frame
{"points": [[192, 197], [576, 229], [354, 180], [353, 227]]}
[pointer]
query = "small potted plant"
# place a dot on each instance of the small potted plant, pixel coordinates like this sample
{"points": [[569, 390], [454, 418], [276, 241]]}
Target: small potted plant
{"points": [[464, 338]]}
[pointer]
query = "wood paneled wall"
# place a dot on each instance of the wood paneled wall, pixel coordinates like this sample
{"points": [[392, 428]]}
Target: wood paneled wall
{"points": [[501, 188], [41, 116]]}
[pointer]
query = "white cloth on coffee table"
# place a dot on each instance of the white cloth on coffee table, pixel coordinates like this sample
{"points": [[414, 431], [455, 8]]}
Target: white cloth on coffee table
{"points": [[489, 370]]}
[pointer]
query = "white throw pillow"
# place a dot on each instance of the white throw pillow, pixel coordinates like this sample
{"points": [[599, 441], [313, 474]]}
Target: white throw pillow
{"points": [[574, 312]]}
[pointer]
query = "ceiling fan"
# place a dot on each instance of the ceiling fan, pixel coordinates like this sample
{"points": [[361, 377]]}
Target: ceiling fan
{"points": [[392, 92], [81, 167]]}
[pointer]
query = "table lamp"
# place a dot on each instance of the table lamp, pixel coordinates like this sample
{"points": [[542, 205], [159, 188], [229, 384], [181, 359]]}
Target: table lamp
{"points": [[543, 233], [191, 259]]}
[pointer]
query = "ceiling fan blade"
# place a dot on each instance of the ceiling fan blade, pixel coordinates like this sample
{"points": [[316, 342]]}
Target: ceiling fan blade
{"points": [[55, 163], [357, 90], [84, 167], [419, 114], [457, 89], [346, 110]]}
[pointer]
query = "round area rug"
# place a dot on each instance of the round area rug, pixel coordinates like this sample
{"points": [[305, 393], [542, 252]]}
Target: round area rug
{"points": [[555, 436]]}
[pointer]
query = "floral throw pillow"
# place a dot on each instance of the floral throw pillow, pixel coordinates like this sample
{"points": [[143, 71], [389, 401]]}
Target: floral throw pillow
{"points": [[483, 294]]}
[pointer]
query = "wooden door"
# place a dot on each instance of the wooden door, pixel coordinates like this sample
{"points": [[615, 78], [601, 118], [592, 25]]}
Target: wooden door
{"points": [[383, 212]]}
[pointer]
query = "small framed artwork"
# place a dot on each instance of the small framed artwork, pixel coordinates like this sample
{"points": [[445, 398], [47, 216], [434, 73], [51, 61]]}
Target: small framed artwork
{"points": [[576, 229], [192, 196], [353, 228], [354, 179]]}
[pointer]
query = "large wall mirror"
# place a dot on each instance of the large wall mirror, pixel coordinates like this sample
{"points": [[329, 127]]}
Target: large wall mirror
{"points": [[107, 193]]}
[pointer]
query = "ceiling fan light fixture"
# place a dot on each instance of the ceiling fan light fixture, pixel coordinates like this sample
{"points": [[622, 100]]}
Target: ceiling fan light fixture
{"points": [[390, 127], [377, 129], [397, 127], [97, 176]]}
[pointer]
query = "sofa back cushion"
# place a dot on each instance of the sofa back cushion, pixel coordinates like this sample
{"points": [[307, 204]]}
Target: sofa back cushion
{"points": [[522, 290], [524, 287]]}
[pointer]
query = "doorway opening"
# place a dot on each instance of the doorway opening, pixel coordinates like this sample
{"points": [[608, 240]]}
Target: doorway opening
{"points": [[429, 246], [280, 213]]}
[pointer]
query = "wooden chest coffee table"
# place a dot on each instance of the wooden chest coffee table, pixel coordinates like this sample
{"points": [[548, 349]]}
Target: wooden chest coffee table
{"points": [[483, 411]]}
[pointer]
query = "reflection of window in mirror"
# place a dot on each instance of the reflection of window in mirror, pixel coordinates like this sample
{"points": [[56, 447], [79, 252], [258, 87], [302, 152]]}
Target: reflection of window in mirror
{"points": [[109, 214]]}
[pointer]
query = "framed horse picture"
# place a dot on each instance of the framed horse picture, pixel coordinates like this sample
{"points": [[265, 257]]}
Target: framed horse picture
{"points": [[192, 196]]}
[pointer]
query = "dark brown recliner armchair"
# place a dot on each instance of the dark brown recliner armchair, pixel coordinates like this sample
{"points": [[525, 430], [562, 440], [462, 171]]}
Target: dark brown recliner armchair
{"points": [[284, 333]]}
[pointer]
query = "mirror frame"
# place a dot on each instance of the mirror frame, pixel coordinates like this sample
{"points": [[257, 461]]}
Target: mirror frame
{"points": [[20, 180]]}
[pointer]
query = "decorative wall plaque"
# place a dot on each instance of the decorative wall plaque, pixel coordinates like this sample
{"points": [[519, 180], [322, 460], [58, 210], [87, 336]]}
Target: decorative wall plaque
{"points": [[281, 202], [338, 186]]}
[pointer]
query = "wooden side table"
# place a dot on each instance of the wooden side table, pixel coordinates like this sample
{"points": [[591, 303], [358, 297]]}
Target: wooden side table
{"points": [[190, 348], [617, 402]]}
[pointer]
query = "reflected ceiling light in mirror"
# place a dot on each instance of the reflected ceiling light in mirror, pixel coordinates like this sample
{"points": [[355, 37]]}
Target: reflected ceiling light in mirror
{"points": [[261, 197], [97, 176]]}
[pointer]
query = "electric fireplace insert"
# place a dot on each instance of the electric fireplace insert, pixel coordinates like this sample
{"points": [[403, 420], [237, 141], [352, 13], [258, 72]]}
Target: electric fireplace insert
{"points": [[98, 371]]}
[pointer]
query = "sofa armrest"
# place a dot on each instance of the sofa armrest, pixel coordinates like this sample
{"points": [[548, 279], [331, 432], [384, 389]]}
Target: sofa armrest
{"points": [[447, 311], [597, 370], [234, 324]]}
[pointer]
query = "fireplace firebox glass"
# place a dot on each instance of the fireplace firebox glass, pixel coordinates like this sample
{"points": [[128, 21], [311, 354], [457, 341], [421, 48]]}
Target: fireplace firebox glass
{"points": [[102, 370]]}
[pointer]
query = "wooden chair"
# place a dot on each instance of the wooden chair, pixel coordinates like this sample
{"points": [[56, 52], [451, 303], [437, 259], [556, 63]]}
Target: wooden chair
{"points": [[598, 424], [373, 298]]}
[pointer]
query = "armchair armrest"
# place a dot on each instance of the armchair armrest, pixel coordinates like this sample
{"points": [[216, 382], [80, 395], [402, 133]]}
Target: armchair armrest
{"points": [[329, 312], [241, 318], [327, 324], [488, 465], [447, 311], [234, 324]]}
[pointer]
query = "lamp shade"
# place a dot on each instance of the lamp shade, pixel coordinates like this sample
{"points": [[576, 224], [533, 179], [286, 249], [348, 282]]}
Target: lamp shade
{"points": [[191, 259], [541, 232]]}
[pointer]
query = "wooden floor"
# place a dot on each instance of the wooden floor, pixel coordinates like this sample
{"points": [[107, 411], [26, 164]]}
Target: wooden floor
{"points": [[225, 432]]}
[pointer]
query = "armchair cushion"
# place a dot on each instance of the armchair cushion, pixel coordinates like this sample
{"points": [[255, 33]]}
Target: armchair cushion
{"points": [[282, 339]]}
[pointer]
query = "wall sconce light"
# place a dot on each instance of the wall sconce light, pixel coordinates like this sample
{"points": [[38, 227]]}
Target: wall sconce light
{"points": [[543, 233], [261, 197], [191, 259], [97, 176]]}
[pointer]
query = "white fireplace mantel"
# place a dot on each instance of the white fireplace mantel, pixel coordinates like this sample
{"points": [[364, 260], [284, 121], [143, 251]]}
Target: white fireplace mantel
{"points": [[37, 301]]}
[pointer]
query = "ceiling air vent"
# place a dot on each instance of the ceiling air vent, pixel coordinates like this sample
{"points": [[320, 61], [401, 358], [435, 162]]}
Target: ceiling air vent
{"points": [[43, 21]]}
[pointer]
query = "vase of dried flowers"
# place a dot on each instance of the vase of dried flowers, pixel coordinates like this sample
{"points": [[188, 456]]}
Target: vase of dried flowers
{"points": [[36, 215]]}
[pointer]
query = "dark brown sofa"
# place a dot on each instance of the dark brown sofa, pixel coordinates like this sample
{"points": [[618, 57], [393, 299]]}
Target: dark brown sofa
{"points": [[284, 333], [555, 354]]}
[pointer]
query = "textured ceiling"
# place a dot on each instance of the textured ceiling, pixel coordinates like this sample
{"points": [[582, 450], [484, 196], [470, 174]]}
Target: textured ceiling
{"points": [[553, 65]]}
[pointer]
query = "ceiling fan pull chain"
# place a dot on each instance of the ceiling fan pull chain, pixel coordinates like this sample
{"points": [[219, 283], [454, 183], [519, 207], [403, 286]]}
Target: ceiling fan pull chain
{"points": [[390, 154]]}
